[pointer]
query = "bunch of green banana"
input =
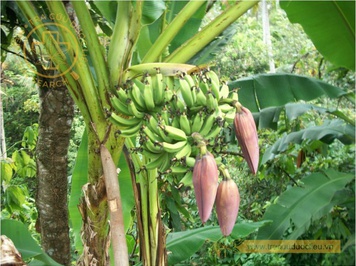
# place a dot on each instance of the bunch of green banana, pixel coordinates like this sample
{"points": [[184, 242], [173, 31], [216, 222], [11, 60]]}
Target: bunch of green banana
{"points": [[165, 106]]}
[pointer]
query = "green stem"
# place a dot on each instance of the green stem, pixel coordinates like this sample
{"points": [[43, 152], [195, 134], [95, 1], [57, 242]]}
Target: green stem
{"points": [[84, 77], [96, 50], [154, 212], [125, 34], [171, 31], [57, 55], [142, 179], [195, 44]]}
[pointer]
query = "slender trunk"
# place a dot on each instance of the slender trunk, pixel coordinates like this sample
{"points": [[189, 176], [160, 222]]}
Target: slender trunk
{"points": [[55, 120], [267, 36], [2, 131]]}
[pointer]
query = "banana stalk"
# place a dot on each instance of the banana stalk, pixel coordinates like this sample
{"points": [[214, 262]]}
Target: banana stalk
{"points": [[118, 236]]}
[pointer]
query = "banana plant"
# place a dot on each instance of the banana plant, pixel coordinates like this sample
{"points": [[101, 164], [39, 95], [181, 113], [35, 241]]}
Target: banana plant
{"points": [[149, 41], [94, 75]]}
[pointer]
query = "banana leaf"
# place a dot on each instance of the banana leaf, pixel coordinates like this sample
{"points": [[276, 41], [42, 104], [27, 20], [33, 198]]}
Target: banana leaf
{"points": [[25, 244], [299, 206], [268, 117], [271, 90], [182, 245], [330, 25], [327, 133]]}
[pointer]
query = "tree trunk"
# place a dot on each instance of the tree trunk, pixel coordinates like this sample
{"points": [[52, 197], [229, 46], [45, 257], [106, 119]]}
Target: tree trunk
{"points": [[2, 131], [267, 36], [55, 120]]}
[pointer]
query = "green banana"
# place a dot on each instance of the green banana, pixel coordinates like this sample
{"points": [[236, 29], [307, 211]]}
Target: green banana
{"points": [[197, 122], [158, 88], [187, 180], [224, 90], [119, 106], [136, 95], [175, 121], [130, 132], [179, 169], [174, 133], [203, 84], [185, 151], [131, 107], [148, 94], [214, 81], [155, 162], [166, 163], [122, 94], [163, 134], [168, 95], [185, 124], [185, 90], [213, 132], [190, 80], [173, 148], [153, 147], [178, 103], [165, 115], [201, 98], [152, 136], [211, 101], [123, 122], [190, 161], [152, 123], [234, 95], [225, 108], [208, 124]]}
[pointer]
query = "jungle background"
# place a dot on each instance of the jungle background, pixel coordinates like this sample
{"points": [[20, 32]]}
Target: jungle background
{"points": [[249, 48]]}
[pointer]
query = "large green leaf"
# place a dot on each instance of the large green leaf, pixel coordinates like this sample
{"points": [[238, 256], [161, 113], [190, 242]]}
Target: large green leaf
{"points": [[328, 132], [330, 25], [25, 244], [152, 10], [79, 178], [268, 117], [298, 206], [182, 245], [267, 90]]}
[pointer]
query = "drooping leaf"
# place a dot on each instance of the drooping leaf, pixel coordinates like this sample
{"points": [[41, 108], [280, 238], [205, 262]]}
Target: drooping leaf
{"points": [[267, 90], [182, 245], [330, 25], [301, 205], [327, 133], [24, 243]]}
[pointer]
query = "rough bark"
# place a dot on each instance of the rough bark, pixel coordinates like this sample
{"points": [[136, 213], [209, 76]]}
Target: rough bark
{"points": [[55, 120]]}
